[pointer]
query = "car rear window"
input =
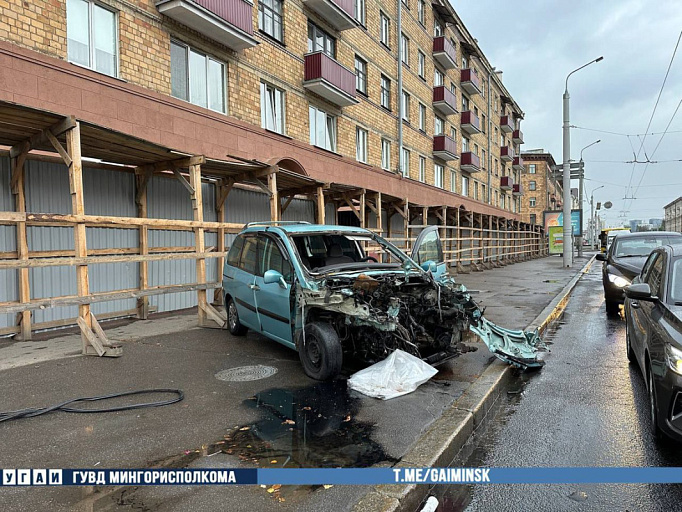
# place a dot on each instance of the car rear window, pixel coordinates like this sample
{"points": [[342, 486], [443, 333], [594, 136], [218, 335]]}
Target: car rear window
{"points": [[233, 255], [641, 246]]}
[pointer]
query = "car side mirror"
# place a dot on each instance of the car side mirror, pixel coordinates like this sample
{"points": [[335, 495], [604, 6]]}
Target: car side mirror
{"points": [[272, 276], [640, 291], [601, 256], [429, 266]]}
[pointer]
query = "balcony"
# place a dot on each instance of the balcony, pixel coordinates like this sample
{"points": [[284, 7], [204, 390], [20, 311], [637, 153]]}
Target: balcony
{"points": [[444, 147], [517, 163], [470, 123], [444, 100], [517, 190], [506, 153], [229, 22], [517, 137], [506, 183], [506, 124], [329, 79], [469, 162], [338, 13], [469, 81], [444, 52]]}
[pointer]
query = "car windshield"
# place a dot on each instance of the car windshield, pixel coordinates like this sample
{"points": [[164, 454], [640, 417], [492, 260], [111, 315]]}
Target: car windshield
{"points": [[676, 282], [641, 245], [318, 251]]}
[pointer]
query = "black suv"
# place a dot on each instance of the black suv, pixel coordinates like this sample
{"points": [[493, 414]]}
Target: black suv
{"points": [[625, 259]]}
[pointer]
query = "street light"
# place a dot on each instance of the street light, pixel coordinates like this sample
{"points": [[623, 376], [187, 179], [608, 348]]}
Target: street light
{"points": [[568, 227], [580, 195], [593, 226]]}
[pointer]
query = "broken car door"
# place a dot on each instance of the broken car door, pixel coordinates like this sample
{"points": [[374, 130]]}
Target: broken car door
{"points": [[428, 250], [243, 283], [273, 291]]}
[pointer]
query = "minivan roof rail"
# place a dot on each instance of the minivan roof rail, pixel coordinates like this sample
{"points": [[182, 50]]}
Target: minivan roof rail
{"points": [[275, 223]]}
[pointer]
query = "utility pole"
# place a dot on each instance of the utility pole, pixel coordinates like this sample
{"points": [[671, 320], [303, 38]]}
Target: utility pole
{"points": [[593, 222], [580, 195], [568, 226]]}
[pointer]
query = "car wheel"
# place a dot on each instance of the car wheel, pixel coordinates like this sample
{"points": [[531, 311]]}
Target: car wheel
{"points": [[320, 351], [612, 307], [233, 323], [628, 346], [653, 405]]}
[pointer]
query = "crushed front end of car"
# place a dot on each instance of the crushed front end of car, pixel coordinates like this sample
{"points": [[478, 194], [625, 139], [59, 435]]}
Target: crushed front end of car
{"points": [[375, 313]]}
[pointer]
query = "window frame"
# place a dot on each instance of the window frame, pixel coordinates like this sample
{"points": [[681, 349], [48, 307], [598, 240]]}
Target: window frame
{"points": [[532, 169], [406, 106], [422, 169], [421, 66], [282, 115], [438, 175], [385, 92], [405, 49], [532, 185], [532, 202], [422, 117], [361, 75], [361, 151], [208, 57], [385, 154], [405, 171], [333, 136], [91, 46], [363, 18], [465, 186], [384, 32], [327, 37], [421, 8], [261, 16]]}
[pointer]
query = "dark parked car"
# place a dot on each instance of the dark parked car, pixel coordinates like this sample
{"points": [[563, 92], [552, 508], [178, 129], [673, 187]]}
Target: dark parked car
{"points": [[653, 334], [624, 260]]}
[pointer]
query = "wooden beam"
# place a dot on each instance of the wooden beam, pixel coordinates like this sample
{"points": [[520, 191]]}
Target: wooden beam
{"points": [[58, 147], [17, 172], [274, 196], [198, 215], [320, 205], [56, 130], [380, 221], [222, 189], [287, 203], [222, 192], [141, 182], [182, 180], [22, 248], [349, 202], [266, 188], [363, 211]]}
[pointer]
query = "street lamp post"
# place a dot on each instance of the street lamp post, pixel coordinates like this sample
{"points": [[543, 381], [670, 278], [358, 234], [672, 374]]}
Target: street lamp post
{"points": [[568, 227], [593, 225], [580, 195]]}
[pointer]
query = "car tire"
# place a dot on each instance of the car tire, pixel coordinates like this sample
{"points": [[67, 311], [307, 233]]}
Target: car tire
{"points": [[628, 345], [320, 351], [612, 307], [653, 405], [233, 323]]}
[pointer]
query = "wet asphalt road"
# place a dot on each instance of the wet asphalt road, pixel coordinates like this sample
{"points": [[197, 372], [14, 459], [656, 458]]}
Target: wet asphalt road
{"points": [[587, 407]]}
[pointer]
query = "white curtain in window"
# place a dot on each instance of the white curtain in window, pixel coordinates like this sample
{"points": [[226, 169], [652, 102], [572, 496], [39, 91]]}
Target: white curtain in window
{"points": [[216, 85], [77, 30], [179, 71], [104, 35], [197, 79]]}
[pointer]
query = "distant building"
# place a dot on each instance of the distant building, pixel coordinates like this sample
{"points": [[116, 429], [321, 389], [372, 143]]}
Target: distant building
{"points": [[656, 223], [541, 191], [634, 224], [673, 215]]}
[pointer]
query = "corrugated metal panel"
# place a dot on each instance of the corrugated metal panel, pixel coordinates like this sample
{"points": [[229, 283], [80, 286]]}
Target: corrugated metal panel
{"points": [[9, 290], [329, 213]]}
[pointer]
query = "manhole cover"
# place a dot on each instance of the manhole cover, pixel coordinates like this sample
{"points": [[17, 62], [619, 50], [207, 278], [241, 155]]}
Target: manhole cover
{"points": [[246, 373]]}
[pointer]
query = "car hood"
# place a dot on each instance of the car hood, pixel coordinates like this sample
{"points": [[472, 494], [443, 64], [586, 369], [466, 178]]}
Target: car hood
{"points": [[630, 267]]}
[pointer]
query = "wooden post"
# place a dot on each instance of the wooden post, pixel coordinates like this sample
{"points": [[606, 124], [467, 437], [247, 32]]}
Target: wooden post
{"points": [[220, 189], [320, 205], [22, 245], [141, 195], [363, 210], [199, 242], [274, 197], [380, 224]]}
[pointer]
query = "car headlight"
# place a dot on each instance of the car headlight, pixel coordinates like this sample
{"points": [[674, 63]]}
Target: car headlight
{"points": [[619, 281], [673, 357]]}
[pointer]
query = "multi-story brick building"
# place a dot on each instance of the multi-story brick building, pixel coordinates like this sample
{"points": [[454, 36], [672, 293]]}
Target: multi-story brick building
{"points": [[312, 80], [672, 218], [542, 191]]}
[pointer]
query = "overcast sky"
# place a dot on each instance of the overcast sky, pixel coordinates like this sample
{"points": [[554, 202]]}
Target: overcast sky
{"points": [[536, 43]]}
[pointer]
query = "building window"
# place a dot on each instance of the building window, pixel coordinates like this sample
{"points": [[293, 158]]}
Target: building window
{"points": [[361, 75], [385, 30], [437, 77], [422, 117], [92, 34], [438, 174], [531, 185], [320, 41], [406, 107], [465, 103], [502, 202], [420, 11], [483, 196], [385, 92], [361, 145], [453, 133], [496, 168], [483, 160], [405, 49], [322, 129], [197, 78], [533, 218], [476, 190], [531, 169], [360, 11], [406, 162], [386, 154], [422, 63], [476, 149], [465, 186], [465, 144], [438, 126], [465, 62], [437, 28], [531, 202], [271, 108], [270, 18], [484, 123], [422, 169]]}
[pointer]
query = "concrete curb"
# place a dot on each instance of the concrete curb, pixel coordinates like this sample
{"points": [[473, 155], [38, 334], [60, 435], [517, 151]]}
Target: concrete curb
{"points": [[439, 445]]}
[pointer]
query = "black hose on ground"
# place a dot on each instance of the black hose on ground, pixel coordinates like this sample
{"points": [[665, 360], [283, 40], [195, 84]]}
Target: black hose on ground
{"points": [[31, 413]]}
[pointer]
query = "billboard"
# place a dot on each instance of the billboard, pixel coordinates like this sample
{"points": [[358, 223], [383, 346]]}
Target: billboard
{"points": [[556, 218], [556, 239]]}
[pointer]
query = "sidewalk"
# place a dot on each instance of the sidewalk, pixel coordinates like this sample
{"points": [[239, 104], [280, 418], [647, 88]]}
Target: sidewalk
{"points": [[332, 427]]}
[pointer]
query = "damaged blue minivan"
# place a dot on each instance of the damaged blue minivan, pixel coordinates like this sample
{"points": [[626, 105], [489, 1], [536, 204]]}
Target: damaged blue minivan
{"points": [[332, 292]]}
